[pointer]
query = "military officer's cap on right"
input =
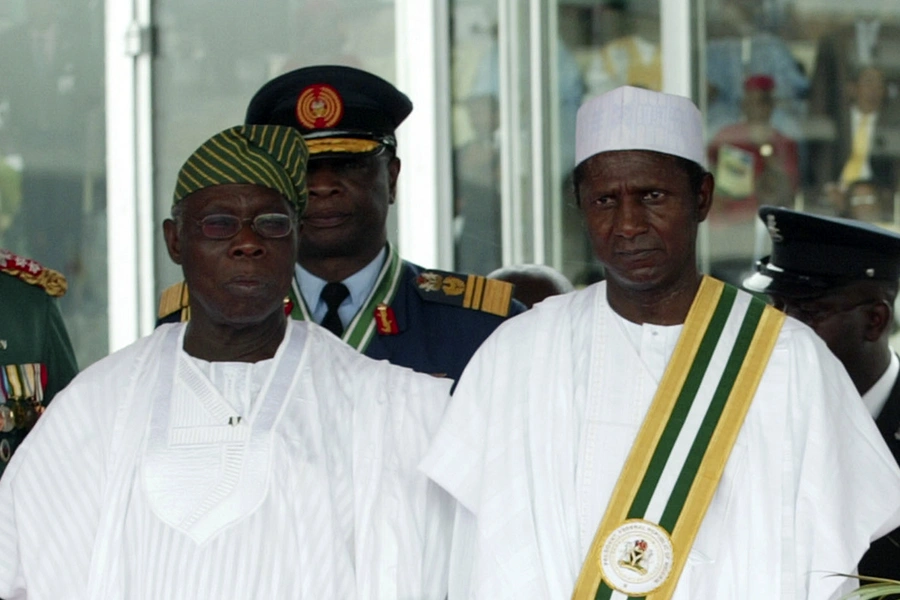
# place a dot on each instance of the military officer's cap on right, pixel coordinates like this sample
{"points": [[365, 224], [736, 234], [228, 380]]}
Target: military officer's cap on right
{"points": [[812, 254], [339, 110]]}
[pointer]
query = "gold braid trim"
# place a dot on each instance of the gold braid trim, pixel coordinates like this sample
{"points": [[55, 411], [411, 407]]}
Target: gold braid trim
{"points": [[341, 145], [53, 282]]}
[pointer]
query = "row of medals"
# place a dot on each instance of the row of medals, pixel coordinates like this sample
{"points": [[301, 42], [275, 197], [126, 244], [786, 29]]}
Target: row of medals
{"points": [[19, 413]]}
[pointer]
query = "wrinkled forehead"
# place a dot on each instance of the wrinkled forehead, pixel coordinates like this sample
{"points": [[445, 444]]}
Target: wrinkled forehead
{"points": [[231, 196], [643, 165]]}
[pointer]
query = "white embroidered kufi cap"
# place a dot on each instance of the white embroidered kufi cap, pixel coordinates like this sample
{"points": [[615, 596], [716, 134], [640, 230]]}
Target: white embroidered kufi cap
{"points": [[630, 118]]}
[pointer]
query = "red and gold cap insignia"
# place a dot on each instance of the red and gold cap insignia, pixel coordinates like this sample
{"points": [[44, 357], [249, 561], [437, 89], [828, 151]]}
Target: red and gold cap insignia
{"points": [[319, 106]]}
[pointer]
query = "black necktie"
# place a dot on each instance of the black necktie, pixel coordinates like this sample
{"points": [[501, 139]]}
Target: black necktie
{"points": [[333, 294]]}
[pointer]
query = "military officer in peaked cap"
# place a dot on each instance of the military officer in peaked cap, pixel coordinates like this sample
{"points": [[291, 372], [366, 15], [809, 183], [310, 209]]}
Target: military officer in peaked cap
{"points": [[840, 276], [36, 357], [348, 276]]}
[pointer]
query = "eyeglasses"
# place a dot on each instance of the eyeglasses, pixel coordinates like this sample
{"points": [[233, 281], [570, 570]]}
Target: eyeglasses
{"points": [[813, 312], [267, 225]]}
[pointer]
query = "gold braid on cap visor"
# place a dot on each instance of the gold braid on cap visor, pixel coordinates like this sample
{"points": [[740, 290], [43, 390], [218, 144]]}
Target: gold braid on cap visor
{"points": [[341, 145]]}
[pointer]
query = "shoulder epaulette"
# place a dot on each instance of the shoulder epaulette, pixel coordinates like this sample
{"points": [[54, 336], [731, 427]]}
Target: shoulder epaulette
{"points": [[175, 299], [474, 292], [30, 271]]}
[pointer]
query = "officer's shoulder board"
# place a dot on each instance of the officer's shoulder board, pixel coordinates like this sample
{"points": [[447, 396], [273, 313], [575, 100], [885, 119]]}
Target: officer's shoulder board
{"points": [[474, 292], [174, 300], [30, 271]]}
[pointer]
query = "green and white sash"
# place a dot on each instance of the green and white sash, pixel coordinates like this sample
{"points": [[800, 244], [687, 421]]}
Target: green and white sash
{"points": [[674, 466], [361, 329]]}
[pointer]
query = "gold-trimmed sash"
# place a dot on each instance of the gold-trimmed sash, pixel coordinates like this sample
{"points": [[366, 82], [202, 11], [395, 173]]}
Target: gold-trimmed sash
{"points": [[639, 555]]}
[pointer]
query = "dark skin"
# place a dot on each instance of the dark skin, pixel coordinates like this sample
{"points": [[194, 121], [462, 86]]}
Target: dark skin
{"points": [[237, 285], [345, 222], [854, 321], [642, 217]]}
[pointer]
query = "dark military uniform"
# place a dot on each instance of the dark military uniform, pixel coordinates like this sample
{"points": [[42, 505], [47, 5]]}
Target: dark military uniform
{"points": [[35, 352], [883, 557], [433, 336], [428, 320]]}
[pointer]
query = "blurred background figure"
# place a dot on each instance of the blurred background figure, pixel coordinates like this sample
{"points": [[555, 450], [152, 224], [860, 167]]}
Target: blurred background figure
{"points": [[753, 162], [630, 53], [533, 283], [36, 356], [868, 40], [866, 200], [476, 188], [739, 46], [866, 142]]}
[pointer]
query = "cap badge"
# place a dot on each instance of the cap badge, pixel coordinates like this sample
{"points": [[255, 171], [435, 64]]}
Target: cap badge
{"points": [[319, 106], [774, 232]]}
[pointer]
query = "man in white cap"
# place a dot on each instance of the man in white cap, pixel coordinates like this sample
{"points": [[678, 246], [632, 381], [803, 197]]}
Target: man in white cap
{"points": [[664, 435]]}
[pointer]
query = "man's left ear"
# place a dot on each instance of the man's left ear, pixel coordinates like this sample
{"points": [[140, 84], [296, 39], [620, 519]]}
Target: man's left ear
{"points": [[173, 241], [705, 199], [879, 318]]}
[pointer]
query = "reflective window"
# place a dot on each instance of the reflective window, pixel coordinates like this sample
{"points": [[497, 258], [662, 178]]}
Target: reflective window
{"points": [[478, 244], [52, 157], [802, 110], [801, 100]]}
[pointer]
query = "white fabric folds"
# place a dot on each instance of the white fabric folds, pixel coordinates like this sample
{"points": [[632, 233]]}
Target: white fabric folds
{"points": [[533, 443], [140, 483]]}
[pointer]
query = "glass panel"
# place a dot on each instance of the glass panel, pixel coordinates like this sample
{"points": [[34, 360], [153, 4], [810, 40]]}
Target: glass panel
{"points": [[52, 156], [789, 87], [475, 67], [213, 56], [612, 43]]}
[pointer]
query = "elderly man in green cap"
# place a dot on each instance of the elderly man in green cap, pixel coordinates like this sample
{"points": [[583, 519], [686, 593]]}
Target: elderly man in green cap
{"points": [[241, 454]]}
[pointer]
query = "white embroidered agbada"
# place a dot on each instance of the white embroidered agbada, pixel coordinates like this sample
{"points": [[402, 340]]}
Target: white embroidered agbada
{"points": [[143, 481], [545, 414]]}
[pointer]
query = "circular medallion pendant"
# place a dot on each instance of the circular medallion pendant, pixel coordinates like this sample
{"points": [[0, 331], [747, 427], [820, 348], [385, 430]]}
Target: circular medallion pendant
{"points": [[636, 557]]}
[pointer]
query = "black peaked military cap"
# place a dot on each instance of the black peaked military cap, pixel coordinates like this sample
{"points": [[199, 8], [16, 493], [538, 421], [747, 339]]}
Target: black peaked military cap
{"points": [[339, 110], [812, 254]]}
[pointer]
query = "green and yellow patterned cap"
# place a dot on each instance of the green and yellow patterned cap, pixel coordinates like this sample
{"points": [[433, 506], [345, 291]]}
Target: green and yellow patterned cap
{"points": [[272, 156]]}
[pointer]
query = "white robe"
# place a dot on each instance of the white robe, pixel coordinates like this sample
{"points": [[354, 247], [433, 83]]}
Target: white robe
{"points": [[546, 412], [140, 481]]}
